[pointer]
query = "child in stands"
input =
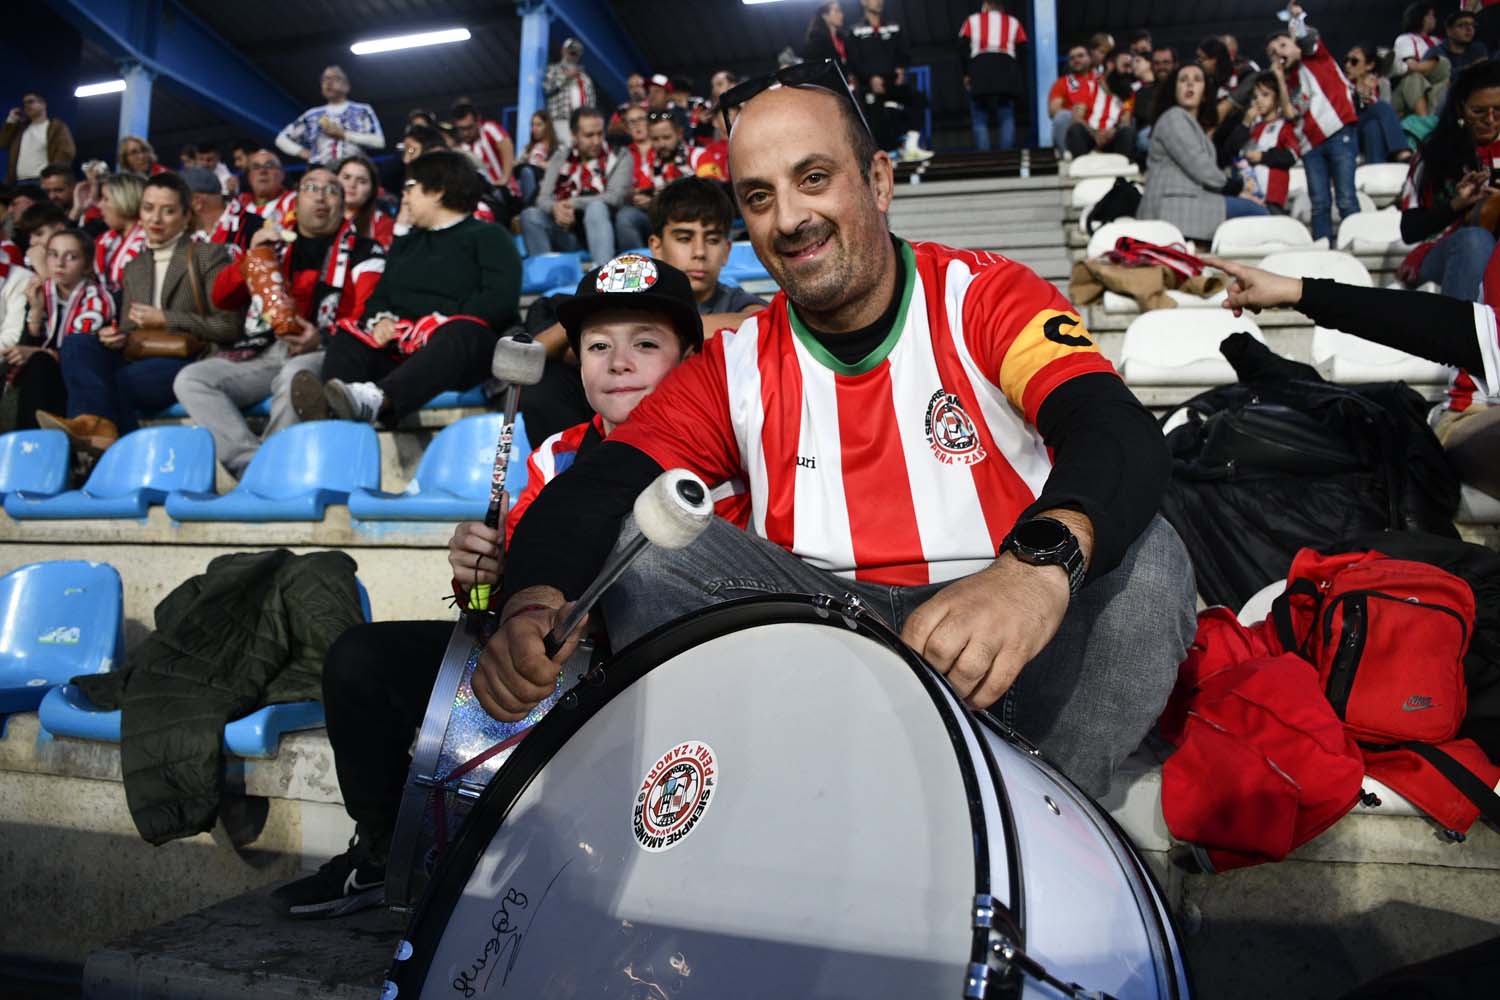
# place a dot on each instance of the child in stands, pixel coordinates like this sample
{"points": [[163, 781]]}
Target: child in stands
{"points": [[69, 300], [1270, 148], [630, 323], [690, 222]]}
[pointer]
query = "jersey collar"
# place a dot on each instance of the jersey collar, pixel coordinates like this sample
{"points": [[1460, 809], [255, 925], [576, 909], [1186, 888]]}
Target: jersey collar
{"points": [[872, 360]]}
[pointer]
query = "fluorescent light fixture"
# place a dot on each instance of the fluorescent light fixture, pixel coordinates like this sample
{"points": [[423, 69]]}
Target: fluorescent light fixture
{"points": [[96, 89], [374, 45], [752, 3]]}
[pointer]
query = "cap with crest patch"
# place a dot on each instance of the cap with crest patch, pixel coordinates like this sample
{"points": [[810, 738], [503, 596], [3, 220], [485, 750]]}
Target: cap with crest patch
{"points": [[635, 281]]}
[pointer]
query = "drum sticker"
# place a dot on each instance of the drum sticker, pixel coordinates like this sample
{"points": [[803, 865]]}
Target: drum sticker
{"points": [[674, 795]]}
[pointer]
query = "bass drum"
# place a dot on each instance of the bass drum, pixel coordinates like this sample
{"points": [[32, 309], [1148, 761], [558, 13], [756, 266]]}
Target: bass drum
{"points": [[775, 797]]}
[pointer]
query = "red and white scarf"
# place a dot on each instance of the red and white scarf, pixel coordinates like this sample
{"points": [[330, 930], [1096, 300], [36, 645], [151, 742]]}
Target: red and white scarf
{"points": [[114, 250], [87, 309], [580, 176], [683, 164]]}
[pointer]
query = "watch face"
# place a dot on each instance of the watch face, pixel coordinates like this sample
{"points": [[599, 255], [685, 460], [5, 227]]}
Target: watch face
{"points": [[1041, 535]]}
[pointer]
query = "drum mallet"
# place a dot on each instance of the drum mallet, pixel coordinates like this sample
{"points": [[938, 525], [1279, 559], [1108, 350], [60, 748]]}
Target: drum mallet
{"points": [[517, 361], [670, 513]]}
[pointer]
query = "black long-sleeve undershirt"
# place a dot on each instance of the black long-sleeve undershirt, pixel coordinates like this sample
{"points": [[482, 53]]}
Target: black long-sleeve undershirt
{"points": [[1436, 327]]}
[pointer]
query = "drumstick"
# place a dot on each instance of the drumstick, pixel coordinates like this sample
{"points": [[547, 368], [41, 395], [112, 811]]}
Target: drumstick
{"points": [[671, 513], [517, 361]]}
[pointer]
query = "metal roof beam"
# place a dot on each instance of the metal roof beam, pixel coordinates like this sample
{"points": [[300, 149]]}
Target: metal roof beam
{"points": [[164, 38]]}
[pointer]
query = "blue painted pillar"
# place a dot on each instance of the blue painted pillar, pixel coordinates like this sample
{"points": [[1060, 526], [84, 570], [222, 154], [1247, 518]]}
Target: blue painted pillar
{"points": [[135, 102], [534, 23], [1044, 45]]}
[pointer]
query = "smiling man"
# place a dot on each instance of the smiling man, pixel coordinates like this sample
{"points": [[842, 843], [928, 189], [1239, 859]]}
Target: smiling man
{"points": [[929, 428]]}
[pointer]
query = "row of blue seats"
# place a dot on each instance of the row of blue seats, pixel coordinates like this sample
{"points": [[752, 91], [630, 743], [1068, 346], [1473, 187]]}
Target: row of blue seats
{"points": [[294, 476], [450, 399], [558, 273], [66, 618]]}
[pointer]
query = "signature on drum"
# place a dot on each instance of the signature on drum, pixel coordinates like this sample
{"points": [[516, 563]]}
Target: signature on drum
{"points": [[505, 943]]}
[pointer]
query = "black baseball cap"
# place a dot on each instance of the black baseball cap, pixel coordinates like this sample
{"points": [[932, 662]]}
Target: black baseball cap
{"points": [[635, 281]]}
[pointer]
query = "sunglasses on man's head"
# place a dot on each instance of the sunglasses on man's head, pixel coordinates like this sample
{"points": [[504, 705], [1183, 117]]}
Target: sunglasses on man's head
{"points": [[824, 75]]}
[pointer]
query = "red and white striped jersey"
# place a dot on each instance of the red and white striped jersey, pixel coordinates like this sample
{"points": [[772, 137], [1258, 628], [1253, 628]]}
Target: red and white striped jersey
{"points": [[87, 309], [272, 211], [907, 468], [1412, 45], [1073, 89], [1266, 136], [641, 160], [115, 250], [1323, 98], [1104, 110], [486, 149], [1412, 196], [992, 31]]}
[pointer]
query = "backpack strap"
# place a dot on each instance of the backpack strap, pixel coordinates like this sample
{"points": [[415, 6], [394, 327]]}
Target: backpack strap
{"points": [[1462, 778], [1281, 614]]}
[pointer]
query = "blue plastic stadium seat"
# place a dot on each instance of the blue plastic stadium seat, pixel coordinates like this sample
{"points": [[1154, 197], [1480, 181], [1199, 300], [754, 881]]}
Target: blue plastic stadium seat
{"points": [[66, 712], [521, 245], [562, 290], [294, 476], [34, 461], [452, 483], [469, 397], [550, 270], [138, 470], [57, 620], [260, 409], [743, 265]]}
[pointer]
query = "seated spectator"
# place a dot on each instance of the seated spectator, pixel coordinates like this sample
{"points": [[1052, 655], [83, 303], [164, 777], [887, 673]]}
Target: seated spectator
{"points": [[690, 222], [1244, 66], [1184, 183], [1139, 43], [240, 153], [1270, 145], [1163, 62], [1100, 45], [57, 184], [988, 42], [543, 143], [34, 228], [1449, 179], [20, 262], [361, 184], [68, 301], [1142, 104], [187, 156], [658, 97], [1381, 138], [635, 97], [420, 139], [33, 140], [1070, 96], [330, 271], [486, 141], [585, 184], [825, 38], [164, 288], [1326, 121], [1103, 124], [568, 88], [671, 157], [137, 156], [1419, 75], [638, 121], [1458, 46], [1230, 94], [267, 197], [215, 219], [208, 159], [124, 237], [328, 133], [450, 288]]}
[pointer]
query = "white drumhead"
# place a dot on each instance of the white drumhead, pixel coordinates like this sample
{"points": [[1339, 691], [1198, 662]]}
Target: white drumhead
{"points": [[835, 856]]}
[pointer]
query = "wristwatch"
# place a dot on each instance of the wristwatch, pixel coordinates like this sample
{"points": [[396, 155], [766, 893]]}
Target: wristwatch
{"points": [[1046, 541]]}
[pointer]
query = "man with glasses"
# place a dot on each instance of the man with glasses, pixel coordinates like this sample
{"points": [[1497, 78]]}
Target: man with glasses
{"points": [[34, 140], [330, 271], [267, 197], [585, 185], [1459, 47], [332, 131], [930, 428]]}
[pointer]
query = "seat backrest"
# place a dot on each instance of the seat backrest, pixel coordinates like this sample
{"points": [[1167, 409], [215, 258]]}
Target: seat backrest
{"points": [[1150, 230], [742, 259], [1260, 233], [1329, 346], [1333, 264], [1296, 180], [1101, 165], [158, 458], [64, 615], [461, 459], [1171, 338], [1089, 190], [552, 269], [337, 455], [1370, 231], [1381, 180], [35, 461]]}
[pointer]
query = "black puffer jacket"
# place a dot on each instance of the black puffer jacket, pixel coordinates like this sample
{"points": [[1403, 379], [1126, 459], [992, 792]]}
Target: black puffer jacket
{"points": [[251, 631]]}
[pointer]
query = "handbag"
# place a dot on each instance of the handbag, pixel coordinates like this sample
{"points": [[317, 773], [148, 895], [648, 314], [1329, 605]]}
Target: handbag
{"points": [[157, 341]]}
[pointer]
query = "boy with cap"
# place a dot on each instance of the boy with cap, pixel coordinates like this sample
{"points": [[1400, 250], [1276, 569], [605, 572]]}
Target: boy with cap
{"points": [[632, 320]]}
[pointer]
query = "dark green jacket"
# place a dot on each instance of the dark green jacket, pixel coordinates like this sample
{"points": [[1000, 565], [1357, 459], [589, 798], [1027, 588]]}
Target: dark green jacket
{"points": [[251, 631], [471, 268]]}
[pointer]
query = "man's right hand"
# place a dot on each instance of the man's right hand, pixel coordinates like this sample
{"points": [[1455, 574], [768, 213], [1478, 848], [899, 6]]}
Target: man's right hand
{"points": [[267, 233], [514, 674], [1255, 289], [304, 340], [563, 213], [1472, 188], [13, 116], [474, 553], [383, 332]]}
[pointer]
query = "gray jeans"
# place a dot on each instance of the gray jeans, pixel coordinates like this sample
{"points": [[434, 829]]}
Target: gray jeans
{"points": [[1087, 699], [543, 235], [215, 390]]}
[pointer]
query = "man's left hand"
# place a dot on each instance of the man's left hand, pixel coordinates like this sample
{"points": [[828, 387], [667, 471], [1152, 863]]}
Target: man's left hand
{"points": [[304, 340]]}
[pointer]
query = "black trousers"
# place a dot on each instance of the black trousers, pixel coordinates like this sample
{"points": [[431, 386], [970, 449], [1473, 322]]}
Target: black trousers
{"points": [[456, 357], [1080, 140], [376, 682], [555, 403], [38, 386]]}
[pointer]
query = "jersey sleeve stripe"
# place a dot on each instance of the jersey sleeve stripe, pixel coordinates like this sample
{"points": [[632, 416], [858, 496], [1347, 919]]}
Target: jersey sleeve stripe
{"points": [[1489, 346], [1055, 373]]}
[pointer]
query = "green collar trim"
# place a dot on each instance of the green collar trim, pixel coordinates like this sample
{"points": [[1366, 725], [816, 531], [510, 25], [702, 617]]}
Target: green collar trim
{"points": [[872, 360]]}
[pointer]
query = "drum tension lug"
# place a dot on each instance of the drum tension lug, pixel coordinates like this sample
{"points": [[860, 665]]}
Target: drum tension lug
{"points": [[1008, 960], [849, 607]]}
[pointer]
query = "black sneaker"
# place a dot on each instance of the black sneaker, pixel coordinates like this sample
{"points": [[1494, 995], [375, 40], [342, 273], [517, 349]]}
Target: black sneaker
{"points": [[306, 393], [347, 884]]}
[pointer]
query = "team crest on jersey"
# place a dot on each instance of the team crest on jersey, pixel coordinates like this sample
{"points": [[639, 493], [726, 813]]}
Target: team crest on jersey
{"points": [[673, 796], [950, 431], [629, 272]]}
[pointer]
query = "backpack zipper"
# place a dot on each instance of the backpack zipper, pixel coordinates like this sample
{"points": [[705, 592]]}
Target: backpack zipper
{"points": [[1352, 639]]}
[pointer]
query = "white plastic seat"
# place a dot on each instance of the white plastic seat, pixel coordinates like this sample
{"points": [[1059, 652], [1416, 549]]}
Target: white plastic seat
{"points": [[1477, 507], [1258, 608], [1102, 165], [1299, 206], [1181, 347], [1381, 181], [1123, 305], [1088, 191], [1150, 230], [1258, 234], [1372, 233], [1296, 181], [1333, 264], [1349, 359]]}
